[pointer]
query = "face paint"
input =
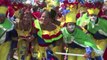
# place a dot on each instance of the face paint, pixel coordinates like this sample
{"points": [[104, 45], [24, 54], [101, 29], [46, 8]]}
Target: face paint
{"points": [[93, 17]]}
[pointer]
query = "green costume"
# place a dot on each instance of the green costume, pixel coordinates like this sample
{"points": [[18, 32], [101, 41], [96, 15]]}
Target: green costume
{"points": [[94, 28], [79, 37], [84, 19], [100, 25], [5, 26]]}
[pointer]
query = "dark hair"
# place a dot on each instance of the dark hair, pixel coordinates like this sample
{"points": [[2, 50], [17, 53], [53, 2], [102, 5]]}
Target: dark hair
{"points": [[53, 13], [47, 13], [71, 23], [35, 8]]}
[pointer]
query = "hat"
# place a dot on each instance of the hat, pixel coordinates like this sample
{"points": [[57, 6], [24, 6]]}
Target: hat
{"points": [[94, 11], [3, 9], [71, 17]]}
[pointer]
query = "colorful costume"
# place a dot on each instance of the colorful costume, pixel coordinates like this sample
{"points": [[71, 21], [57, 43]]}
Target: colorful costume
{"points": [[99, 31], [45, 37], [23, 46], [8, 26], [5, 27], [48, 37], [80, 38], [77, 35], [96, 29]]}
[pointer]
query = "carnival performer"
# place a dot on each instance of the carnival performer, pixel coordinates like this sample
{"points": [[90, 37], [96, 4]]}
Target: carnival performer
{"points": [[47, 32], [96, 27], [6, 26], [23, 27], [74, 34]]}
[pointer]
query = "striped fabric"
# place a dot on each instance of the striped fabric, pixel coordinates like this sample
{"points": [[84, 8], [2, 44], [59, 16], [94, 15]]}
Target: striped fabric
{"points": [[48, 36]]}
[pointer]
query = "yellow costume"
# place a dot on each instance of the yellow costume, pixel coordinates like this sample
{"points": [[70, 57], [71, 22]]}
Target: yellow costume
{"points": [[22, 44], [46, 37], [101, 43]]}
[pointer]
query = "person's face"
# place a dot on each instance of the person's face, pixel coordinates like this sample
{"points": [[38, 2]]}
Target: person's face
{"points": [[44, 18], [70, 28], [2, 17], [93, 17], [26, 20]]}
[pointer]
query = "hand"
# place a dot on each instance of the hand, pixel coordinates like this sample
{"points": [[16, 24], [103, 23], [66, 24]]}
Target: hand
{"points": [[86, 55]]}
